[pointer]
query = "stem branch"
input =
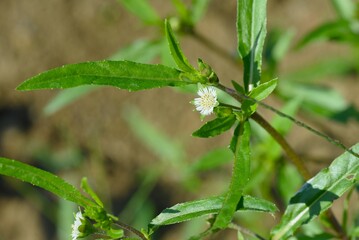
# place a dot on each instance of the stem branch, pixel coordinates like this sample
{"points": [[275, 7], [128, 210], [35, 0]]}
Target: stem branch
{"points": [[130, 229]]}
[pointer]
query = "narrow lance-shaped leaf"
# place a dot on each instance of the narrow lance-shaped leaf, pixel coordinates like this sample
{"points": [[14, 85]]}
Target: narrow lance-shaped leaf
{"points": [[318, 194], [122, 74], [176, 51], [251, 29], [45, 180], [142, 9], [240, 177], [215, 127], [142, 51], [264, 90], [186, 211], [338, 30], [345, 8]]}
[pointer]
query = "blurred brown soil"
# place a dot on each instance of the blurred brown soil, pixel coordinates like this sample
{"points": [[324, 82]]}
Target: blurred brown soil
{"points": [[38, 35]]}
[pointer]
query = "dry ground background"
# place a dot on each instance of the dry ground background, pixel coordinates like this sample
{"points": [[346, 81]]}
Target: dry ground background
{"points": [[38, 35]]}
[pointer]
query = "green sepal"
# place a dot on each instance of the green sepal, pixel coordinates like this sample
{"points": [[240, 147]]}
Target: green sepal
{"points": [[115, 233], [215, 127], [222, 111], [207, 72], [86, 228]]}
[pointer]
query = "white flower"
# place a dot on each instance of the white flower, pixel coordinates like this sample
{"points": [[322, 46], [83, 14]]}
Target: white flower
{"points": [[207, 100], [75, 227]]}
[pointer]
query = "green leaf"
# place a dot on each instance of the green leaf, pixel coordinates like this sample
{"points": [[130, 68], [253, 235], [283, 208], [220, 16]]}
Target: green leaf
{"points": [[318, 194], [122, 74], [263, 90], [282, 44], [66, 97], [198, 8], [251, 30], [289, 180], [344, 8], [215, 127], [212, 160], [186, 211], [321, 99], [142, 9], [86, 187], [45, 180], [235, 138], [240, 177], [176, 51], [162, 145], [339, 31], [141, 51], [238, 87], [258, 93]]}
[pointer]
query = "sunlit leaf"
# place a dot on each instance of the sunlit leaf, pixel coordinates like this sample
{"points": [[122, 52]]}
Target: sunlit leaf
{"points": [[186, 211], [240, 177], [45, 180], [176, 51], [215, 127], [251, 30], [263, 90], [318, 194], [142, 51], [122, 74]]}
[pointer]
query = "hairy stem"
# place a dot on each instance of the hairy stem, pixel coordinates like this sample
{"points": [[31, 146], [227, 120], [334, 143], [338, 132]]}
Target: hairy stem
{"points": [[293, 156], [131, 229], [296, 160]]}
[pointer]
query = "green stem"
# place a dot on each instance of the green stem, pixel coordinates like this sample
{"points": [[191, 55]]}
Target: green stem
{"points": [[131, 229], [303, 170], [293, 156], [241, 97]]}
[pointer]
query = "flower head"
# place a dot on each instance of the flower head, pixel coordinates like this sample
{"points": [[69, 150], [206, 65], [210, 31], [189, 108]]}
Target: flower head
{"points": [[75, 227], [207, 100]]}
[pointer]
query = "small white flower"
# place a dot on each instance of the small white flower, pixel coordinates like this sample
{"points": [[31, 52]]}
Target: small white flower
{"points": [[207, 100], [75, 227]]}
